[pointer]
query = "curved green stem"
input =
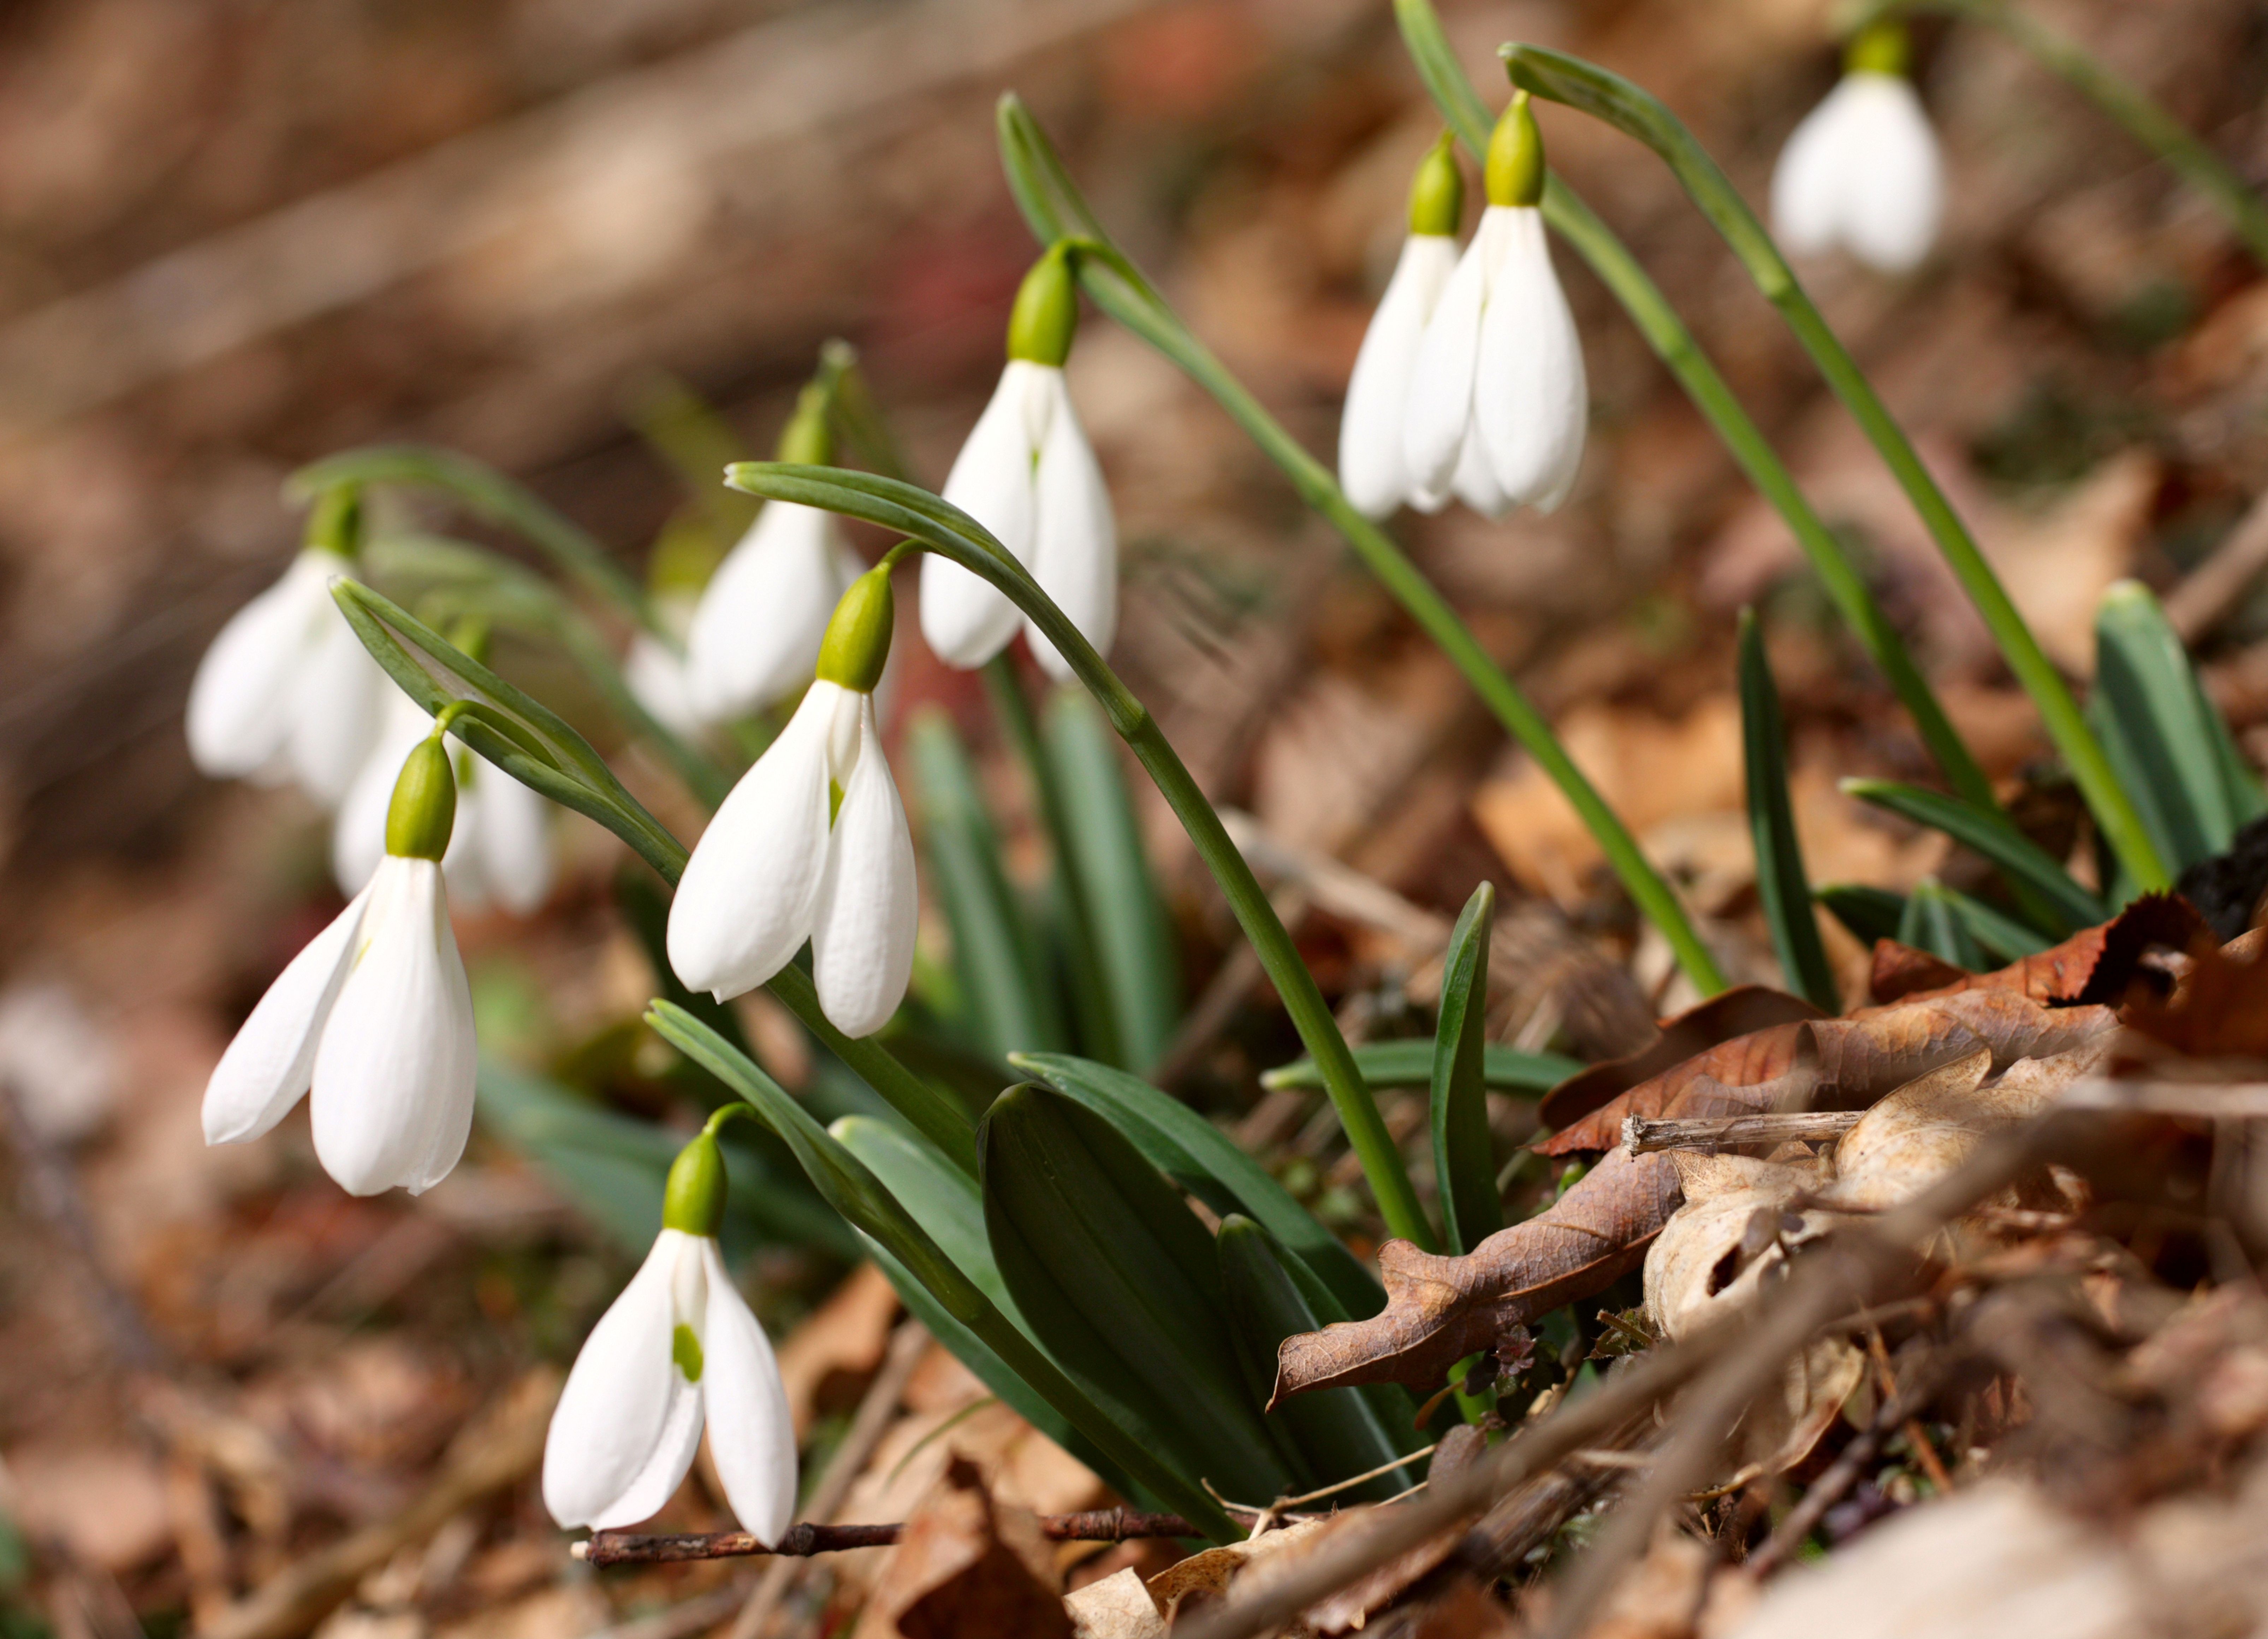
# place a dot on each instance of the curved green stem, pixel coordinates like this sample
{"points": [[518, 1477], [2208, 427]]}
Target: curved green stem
{"points": [[1121, 290], [945, 530], [2145, 118], [1608, 97]]}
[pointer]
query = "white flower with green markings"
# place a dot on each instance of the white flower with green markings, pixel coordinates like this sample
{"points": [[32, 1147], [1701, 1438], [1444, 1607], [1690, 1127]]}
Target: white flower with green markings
{"points": [[1862, 171]]}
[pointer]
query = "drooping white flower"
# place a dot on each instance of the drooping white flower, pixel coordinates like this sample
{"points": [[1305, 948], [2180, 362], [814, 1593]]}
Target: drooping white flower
{"points": [[1028, 475], [287, 691], [1498, 401], [755, 632], [500, 848], [678, 1348], [784, 861], [1862, 170], [658, 675], [372, 1021], [1372, 469]]}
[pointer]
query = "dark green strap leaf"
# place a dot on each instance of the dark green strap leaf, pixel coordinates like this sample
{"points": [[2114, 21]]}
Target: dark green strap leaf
{"points": [[2022, 860], [1410, 1064], [1464, 1160], [1932, 923], [1782, 885]]}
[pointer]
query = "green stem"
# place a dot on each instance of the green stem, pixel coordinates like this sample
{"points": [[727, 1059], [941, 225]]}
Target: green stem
{"points": [[945, 530], [2145, 118], [1121, 290], [1608, 97], [1015, 713]]}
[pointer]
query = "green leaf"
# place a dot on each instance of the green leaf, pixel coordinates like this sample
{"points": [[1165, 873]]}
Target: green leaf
{"points": [[1464, 1160], [853, 1189], [1206, 1162], [1336, 1430], [2000, 936], [1410, 1064], [1931, 923], [2023, 861], [1112, 1273], [1133, 935], [1783, 887], [1003, 976]]}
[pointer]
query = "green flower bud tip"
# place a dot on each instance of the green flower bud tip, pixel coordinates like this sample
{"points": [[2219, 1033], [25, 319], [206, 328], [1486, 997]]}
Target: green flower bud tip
{"points": [[335, 522], [858, 640], [424, 807], [1046, 312], [470, 634], [806, 441], [1878, 49], [693, 1200], [1513, 174], [1436, 197]]}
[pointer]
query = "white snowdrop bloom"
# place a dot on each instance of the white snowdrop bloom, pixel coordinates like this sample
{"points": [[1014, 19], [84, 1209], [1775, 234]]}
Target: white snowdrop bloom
{"points": [[1862, 171], [657, 675], [787, 859], [500, 848], [755, 633], [287, 691], [678, 1348], [1028, 475], [1372, 469], [372, 1021], [1498, 399]]}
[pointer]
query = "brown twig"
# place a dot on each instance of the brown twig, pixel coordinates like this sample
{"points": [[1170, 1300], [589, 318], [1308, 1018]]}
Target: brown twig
{"points": [[1841, 1475], [801, 1541], [2205, 596], [1916, 1437], [1642, 1135]]}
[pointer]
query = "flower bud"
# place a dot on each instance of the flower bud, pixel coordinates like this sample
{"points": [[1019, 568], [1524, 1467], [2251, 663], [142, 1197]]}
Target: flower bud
{"points": [[1046, 312], [693, 1200], [424, 811], [1513, 174], [1436, 197], [858, 640], [335, 522], [468, 635], [1878, 49], [806, 441]]}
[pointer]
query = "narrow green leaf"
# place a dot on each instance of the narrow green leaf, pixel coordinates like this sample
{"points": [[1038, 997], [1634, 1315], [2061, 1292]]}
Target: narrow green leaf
{"points": [[1013, 1006], [1870, 913], [2017, 855], [1782, 885], [2161, 732], [1206, 1162], [1134, 936], [1932, 923], [1464, 1160], [1410, 1064]]}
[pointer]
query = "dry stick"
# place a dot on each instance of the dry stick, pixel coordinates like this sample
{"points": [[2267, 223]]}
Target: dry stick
{"points": [[1916, 1437], [1642, 1135], [2211, 590], [908, 1344], [801, 1541], [1841, 1475], [1817, 1289]]}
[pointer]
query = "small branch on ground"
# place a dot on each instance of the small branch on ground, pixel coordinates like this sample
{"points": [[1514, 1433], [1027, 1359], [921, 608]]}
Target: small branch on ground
{"points": [[800, 1541], [1643, 1136]]}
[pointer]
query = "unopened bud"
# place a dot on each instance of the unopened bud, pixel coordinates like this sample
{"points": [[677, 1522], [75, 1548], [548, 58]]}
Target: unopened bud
{"points": [[1514, 173], [1436, 197], [858, 640], [806, 441], [1878, 49], [335, 522], [693, 1200], [424, 811], [1046, 312]]}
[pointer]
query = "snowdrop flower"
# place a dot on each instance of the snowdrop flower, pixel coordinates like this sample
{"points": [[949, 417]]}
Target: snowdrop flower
{"points": [[374, 1017], [1372, 470], [1862, 170], [678, 1348], [755, 632], [500, 848], [1498, 397], [812, 844], [1028, 475], [657, 678], [287, 691]]}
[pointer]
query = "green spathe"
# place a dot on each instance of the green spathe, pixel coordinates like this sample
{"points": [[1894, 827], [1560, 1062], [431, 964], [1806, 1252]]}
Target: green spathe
{"points": [[1878, 49], [1437, 194], [1513, 174], [1046, 312], [335, 522], [858, 640], [693, 1200], [424, 811], [806, 441]]}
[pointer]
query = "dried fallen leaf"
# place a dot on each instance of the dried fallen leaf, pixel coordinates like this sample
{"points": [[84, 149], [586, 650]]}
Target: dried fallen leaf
{"points": [[968, 1568], [1117, 1608]]}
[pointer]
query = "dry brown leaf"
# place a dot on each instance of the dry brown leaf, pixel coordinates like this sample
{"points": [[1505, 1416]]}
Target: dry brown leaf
{"points": [[824, 1361], [1207, 1575], [968, 1568], [1742, 1010], [1916, 1136], [1117, 1608]]}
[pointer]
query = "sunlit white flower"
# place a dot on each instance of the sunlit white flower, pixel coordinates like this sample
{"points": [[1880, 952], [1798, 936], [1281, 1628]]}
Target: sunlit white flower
{"points": [[287, 691], [755, 632], [1372, 469], [500, 849], [783, 861], [1862, 171], [1028, 475], [678, 1348], [1499, 400], [374, 1017], [657, 675]]}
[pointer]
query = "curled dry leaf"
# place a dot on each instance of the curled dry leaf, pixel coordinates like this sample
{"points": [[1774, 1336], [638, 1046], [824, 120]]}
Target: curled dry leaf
{"points": [[1117, 1608], [966, 1567]]}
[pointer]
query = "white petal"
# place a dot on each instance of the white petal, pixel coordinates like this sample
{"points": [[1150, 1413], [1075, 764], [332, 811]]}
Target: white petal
{"points": [[862, 946], [1371, 466], [396, 1063], [965, 621], [240, 713], [271, 1061], [751, 1432], [449, 1120], [1439, 405], [511, 833], [608, 1426], [755, 635], [1075, 538], [358, 832], [1897, 189], [1531, 401], [751, 890], [1810, 179], [1475, 483], [338, 704], [658, 678]]}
